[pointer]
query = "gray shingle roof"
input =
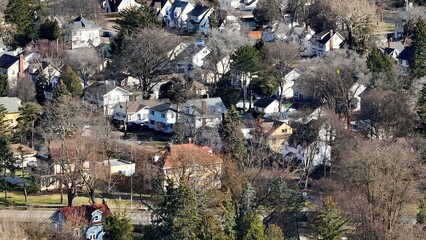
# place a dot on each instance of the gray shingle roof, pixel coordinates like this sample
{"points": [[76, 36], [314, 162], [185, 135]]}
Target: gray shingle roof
{"points": [[7, 60], [83, 23], [12, 104], [214, 107]]}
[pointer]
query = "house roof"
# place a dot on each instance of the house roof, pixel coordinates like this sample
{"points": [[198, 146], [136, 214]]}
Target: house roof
{"points": [[255, 34], [198, 10], [25, 149], [84, 23], [81, 215], [116, 162], [214, 107], [135, 106], [264, 102], [175, 5], [407, 53], [98, 88], [114, 5], [12, 104], [163, 107], [183, 154], [7, 60]]}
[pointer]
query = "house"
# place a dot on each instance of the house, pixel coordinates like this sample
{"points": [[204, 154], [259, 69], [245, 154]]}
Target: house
{"points": [[12, 105], [49, 72], [24, 156], [323, 42], [356, 91], [178, 15], [198, 19], [161, 7], [290, 90], [231, 22], [136, 111], [266, 105], [162, 117], [392, 49], [117, 166], [119, 5], [84, 33], [207, 112], [228, 4], [222, 67], [248, 5], [404, 59], [106, 96], [193, 165], [276, 132], [190, 56], [315, 154], [13, 67], [85, 221]]}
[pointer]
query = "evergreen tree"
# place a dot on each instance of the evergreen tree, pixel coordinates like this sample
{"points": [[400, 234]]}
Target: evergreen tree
{"points": [[233, 142], [228, 93], [381, 64], [40, 85], [118, 226], [250, 227], [61, 89], [330, 223], [421, 110], [30, 113], [4, 85], [421, 214], [245, 61], [178, 216], [228, 215], [72, 82], [4, 124], [248, 200], [21, 13], [6, 155], [418, 61], [49, 30], [211, 228], [274, 232]]}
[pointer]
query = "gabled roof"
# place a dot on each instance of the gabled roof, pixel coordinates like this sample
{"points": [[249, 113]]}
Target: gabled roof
{"points": [[214, 107], [135, 106], [407, 53], [198, 10], [119, 89], [7, 60], [98, 88], [324, 36], [83, 23], [189, 154], [81, 215], [264, 102], [12, 104], [175, 5], [389, 51], [163, 107]]}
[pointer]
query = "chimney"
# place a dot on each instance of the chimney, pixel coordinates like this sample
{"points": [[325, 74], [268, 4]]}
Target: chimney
{"points": [[21, 66], [104, 201], [389, 42], [204, 107], [331, 39], [308, 29]]}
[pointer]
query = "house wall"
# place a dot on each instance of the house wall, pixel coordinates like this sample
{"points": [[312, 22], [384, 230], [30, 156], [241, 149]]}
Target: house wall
{"points": [[272, 108], [81, 37], [124, 168], [97, 230], [198, 59], [126, 4], [112, 98], [278, 137], [183, 17], [11, 118], [12, 74], [160, 122]]}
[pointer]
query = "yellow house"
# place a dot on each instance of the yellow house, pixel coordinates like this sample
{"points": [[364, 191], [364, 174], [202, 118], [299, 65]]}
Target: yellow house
{"points": [[12, 105], [277, 133]]}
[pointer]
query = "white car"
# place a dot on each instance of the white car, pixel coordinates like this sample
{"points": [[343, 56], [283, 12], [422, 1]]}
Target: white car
{"points": [[32, 164]]}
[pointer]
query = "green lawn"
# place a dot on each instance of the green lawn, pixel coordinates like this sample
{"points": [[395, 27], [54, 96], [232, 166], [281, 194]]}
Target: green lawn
{"points": [[384, 27]]}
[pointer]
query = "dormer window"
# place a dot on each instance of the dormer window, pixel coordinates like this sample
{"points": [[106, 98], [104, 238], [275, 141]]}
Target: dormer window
{"points": [[96, 218]]}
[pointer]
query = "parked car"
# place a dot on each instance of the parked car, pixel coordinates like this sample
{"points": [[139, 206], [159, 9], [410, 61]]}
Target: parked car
{"points": [[32, 164], [107, 34]]}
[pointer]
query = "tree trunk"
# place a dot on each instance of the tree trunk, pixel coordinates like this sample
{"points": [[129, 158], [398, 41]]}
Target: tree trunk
{"points": [[244, 87], [92, 197], [71, 195]]}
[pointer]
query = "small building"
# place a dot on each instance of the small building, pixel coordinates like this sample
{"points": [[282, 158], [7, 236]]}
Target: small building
{"points": [[85, 221], [197, 166], [121, 167], [24, 156], [178, 15], [266, 105], [162, 117], [276, 133], [136, 111], [404, 59], [323, 42], [84, 33], [12, 105], [112, 6], [13, 67], [356, 91], [161, 8]]}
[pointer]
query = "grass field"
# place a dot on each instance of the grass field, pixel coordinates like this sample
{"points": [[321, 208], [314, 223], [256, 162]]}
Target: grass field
{"points": [[384, 27]]}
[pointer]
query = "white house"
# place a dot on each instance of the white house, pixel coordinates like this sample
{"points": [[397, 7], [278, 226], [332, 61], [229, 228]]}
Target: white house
{"points": [[323, 42], [248, 5], [13, 67], [178, 14], [198, 58], [266, 105], [318, 153], [198, 19], [207, 112], [290, 89], [356, 90], [136, 111], [404, 59], [112, 98], [84, 33], [161, 7], [162, 117], [119, 5]]}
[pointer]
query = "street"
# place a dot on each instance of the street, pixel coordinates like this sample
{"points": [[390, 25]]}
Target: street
{"points": [[138, 217]]}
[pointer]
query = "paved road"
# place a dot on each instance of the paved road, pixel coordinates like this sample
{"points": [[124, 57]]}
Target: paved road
{"points": [[138, 217]]}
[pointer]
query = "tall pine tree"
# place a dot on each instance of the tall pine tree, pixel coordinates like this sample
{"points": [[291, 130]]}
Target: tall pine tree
{"points": [[421, 110], [418, 61], [233, 141], [330, 223], [72, 82], [21, 13]]}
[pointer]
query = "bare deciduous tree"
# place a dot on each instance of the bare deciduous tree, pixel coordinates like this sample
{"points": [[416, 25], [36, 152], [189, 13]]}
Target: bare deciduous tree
{"points": [[25, 90], [86, 62]]}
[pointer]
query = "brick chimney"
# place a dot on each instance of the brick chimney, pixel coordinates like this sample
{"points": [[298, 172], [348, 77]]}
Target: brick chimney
{"points": [[331, 39], [204, 107], [21, 66]]}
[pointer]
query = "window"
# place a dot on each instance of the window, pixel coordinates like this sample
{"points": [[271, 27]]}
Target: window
{"points": [[92, 236], [152, 112], [163, 115], [172, 115], [96, 218], [284, 130], [139, 117]]}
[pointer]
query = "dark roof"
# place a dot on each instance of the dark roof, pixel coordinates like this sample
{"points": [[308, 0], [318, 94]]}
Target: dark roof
{"points": [[83, 212], [325, 39], [198, 10], [7, 60], [264, 102], [114, 5], [98, 88], [176, 4], [162, 107], [83, 23], [388, 51], [407, 53]]}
